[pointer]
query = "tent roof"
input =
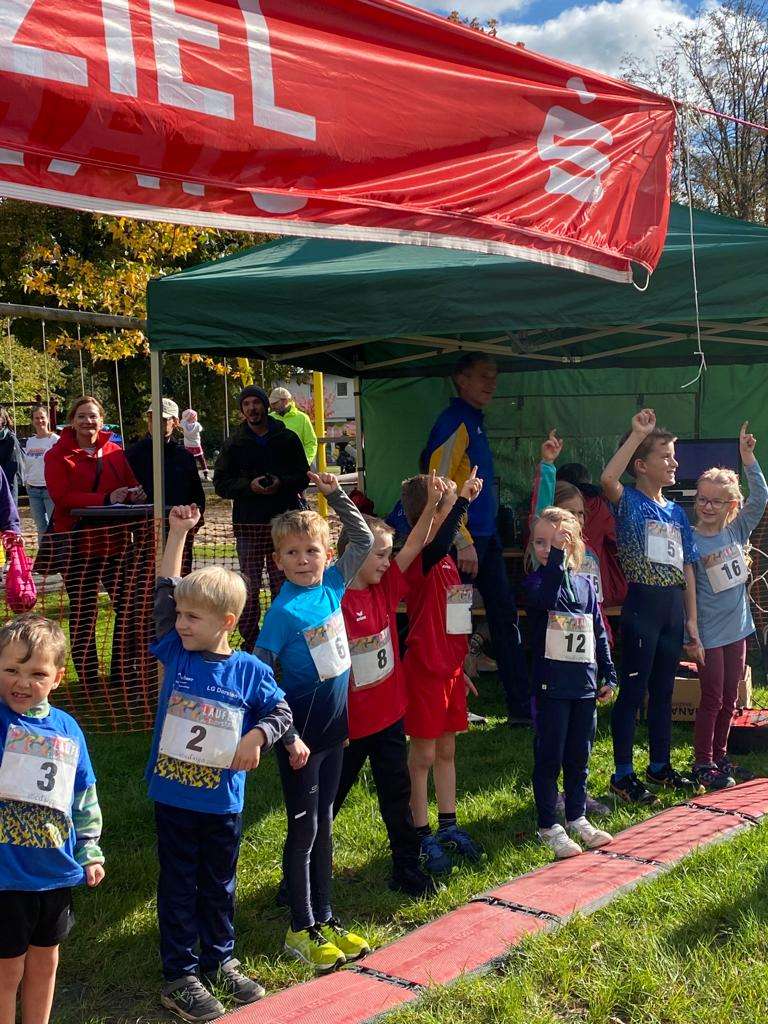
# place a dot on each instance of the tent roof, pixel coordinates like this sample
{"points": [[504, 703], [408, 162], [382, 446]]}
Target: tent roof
{"points": [[402, 310]]}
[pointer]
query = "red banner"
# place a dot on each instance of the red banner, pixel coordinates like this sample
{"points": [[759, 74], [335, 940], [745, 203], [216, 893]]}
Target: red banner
{"points": [[356, 119]]}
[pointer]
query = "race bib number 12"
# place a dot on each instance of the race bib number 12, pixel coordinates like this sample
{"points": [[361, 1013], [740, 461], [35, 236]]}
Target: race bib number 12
{"points": [[39, 769], [569, 638]]}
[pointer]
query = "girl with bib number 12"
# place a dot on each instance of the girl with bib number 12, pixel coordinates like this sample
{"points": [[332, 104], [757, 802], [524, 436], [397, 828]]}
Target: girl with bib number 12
{"points": [[724, 522]]}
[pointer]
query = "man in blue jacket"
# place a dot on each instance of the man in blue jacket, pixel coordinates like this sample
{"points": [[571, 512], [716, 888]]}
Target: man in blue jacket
{"points": [[456, 443], [9, 514]]}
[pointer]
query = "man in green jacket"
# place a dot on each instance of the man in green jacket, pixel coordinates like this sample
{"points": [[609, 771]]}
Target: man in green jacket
{"points": [[282, 407]]}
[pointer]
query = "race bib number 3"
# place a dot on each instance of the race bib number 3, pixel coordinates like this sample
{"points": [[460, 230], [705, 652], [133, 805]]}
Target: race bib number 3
{"points": [[726, 568], [663, 543], [328, 647], [39, 769], [458, 609], [372, 659], [569, 638], [200, 731]]}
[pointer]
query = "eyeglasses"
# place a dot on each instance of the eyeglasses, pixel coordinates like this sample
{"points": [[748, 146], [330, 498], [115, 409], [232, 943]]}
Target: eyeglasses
{"points": [[716, 504]]}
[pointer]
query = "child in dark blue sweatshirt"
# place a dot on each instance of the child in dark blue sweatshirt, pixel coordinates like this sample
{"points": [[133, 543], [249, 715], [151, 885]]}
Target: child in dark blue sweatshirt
{"points": [[571, 656]]}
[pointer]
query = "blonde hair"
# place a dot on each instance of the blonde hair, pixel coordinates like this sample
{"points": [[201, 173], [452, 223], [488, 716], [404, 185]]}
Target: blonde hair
{"points": [[214, 589], [729, 481], [35, 631], [302, 524], [566, 491], [558, 517], [374, 524]]}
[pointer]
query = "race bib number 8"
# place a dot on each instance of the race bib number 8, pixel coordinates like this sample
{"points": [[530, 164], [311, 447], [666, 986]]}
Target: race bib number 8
{"points": [[663, 543], [726, 568], [39, 769], [372, 659], [569, 638], [458, 609], [328, 646], [200, 731]]}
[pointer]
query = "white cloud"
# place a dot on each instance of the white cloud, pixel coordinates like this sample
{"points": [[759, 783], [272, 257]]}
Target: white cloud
{"points": [[598, 35]]}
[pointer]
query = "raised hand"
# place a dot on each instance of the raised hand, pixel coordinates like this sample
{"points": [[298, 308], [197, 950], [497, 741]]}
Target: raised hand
{"points": [[747, 444], [643, 422], [326, 483], [435, 489], [551, 448], [472, 486], [183, 518], [562, 538]]}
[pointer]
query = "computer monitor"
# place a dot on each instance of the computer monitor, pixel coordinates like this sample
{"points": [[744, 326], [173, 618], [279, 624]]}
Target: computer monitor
{"points": [[694, 456]]}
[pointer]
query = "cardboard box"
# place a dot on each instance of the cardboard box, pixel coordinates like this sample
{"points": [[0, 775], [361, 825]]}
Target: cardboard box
{"points": [[686, 696]]}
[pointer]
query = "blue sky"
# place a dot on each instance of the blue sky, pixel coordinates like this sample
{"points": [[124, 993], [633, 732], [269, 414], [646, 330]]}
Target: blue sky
{"points": [[593, 33]]}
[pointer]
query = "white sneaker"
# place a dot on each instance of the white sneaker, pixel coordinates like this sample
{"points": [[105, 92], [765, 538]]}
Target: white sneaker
{"points": [[593, 838], [557, 839]]}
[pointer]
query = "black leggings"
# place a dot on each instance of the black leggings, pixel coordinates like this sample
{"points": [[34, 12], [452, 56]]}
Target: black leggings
{"points": [[308, 851]]}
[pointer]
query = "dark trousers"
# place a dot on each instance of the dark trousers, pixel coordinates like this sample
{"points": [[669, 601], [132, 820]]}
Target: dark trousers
{"points": [[565, 732], [501, 614], [308, 851], [196, 888], [720, 675], [254, 552], [388, 753], [652, 621]]}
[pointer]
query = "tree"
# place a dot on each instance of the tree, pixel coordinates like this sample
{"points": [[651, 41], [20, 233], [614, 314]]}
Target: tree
{"points": [[488, 27], [26, 375], [721, 63]]}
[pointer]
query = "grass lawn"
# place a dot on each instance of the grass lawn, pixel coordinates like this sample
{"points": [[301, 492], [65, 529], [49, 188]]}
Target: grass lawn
{"points": [[690, 947]]}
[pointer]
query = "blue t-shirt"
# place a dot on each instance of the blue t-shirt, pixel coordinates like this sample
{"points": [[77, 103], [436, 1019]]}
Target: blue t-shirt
{"points": [[37, 840], [206, 705], [668, 522], [298, 617]]}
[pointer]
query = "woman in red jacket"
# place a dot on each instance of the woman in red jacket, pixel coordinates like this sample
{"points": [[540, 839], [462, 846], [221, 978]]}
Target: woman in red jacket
{"points": [[88, 470]]}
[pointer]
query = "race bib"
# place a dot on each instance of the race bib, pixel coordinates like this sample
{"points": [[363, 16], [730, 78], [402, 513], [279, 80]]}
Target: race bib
{"points": [[458, 609], [372, 659], [200, 731], [39, 769], [590, 567], [569, 638], [328, 646], [663, 543], [726, 568]]}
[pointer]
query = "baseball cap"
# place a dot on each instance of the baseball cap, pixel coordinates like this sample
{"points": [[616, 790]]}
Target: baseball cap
{"points": [[170, 409], [280, 393]]}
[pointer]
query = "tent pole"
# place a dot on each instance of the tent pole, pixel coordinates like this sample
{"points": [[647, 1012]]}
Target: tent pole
{"points": [[158, 469], [359, 436], [319, 404]]}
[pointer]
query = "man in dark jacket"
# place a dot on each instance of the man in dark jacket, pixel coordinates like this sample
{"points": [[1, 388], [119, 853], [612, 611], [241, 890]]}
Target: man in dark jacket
{"points": [[9, 513], [263, 469]]}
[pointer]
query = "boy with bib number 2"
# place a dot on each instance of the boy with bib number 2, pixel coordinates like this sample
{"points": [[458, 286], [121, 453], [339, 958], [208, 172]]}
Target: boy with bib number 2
{"points": [[657, 552], [50, 822], [304, 632], [722, 530], [218, 712], [570, 656]]}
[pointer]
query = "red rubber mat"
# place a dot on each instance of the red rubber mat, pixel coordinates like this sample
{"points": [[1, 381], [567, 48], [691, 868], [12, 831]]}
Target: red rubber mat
{"points": [[669, 836], [341, 998], [580, 883], [461, 941], [749, 798]]}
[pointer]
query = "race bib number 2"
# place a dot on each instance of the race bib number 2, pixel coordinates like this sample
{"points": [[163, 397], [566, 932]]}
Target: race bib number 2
{"points": [[201, 731], [39, 769]]}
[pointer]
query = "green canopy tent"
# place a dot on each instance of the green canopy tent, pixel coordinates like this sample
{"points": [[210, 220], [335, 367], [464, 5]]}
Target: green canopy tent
{"points": [[383, 313]]}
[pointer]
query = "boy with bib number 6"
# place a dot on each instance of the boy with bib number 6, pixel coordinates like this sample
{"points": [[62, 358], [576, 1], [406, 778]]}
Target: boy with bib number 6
{"points": [[218, 712], [50, 822], [722, 530]]}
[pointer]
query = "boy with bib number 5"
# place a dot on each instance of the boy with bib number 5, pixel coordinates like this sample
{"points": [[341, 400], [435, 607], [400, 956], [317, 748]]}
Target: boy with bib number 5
{"points": [[304, 632], [50, 822], [570, 656], [722, 530], [657, 551], [218, 712]]}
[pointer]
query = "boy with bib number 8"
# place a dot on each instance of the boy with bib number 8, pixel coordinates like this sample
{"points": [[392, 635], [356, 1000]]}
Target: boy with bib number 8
{"points": [[722, 529], [218, 711], [50, 820], [304, 632], [570, 655], [657, 552]]}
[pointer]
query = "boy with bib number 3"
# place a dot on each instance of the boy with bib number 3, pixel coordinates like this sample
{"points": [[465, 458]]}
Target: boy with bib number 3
{"points": [[218, 712], [50, 820]]}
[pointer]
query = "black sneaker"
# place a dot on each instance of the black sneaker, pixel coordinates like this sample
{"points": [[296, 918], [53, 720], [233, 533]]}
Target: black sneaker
{"points": [[631, 790], [736, 771], [190, 999], [670, 778], [521, 717], [411, 880], [234, 984], [711, 777]]}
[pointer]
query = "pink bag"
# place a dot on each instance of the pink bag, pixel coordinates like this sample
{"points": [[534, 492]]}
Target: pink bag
{"points": [[20, 589]]}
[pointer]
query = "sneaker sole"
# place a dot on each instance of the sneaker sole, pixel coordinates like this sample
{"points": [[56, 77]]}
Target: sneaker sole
{"points": [[627, 799], [597, 845], [350, 958], [321, 968], [695, 788], [566, 855], [170, 1005]]}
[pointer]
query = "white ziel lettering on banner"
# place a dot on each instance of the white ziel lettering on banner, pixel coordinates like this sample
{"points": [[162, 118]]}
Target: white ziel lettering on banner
{"points": [[31, 60], [121, 56]]}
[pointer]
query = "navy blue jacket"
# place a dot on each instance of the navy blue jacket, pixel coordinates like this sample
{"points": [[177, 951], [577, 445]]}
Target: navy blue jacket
{"points": [[552, 587], [9, 514]]}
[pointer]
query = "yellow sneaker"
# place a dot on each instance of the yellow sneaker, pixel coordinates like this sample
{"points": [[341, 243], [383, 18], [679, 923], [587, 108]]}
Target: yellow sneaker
{"points": [[352, 946], [312, 946]]}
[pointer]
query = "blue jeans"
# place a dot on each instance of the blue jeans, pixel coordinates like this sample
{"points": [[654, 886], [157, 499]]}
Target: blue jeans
{"points": [[41, 507]]}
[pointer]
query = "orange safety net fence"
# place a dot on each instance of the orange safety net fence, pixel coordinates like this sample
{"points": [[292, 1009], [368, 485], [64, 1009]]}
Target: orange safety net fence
{"points": [[98, 584]]}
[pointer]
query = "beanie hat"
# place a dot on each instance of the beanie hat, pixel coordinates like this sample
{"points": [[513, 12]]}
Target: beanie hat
{"points": [[253, 391]]}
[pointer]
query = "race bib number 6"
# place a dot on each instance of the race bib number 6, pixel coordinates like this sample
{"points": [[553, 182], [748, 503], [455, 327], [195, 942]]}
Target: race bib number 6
{"points": [[201, 731], [569, 638], [39, 769], [328, 646], [663, 543]]}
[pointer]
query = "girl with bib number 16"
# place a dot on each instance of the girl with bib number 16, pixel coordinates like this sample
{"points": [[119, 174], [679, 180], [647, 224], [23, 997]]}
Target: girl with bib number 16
{"points": [[572, 672], [724, 523]]}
